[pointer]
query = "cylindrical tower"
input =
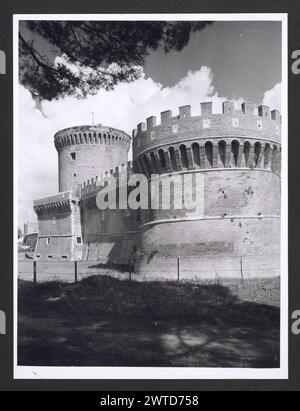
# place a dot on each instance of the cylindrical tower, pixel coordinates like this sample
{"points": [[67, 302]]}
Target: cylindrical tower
{"points": [[88, 151], [235, 230]]}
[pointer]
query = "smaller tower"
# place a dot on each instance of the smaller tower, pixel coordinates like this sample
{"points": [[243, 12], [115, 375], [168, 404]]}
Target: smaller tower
{"points": [[85, 152]]}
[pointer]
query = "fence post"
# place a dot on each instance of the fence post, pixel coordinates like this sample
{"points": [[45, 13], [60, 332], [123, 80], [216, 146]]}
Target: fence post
{"points": [[34, 272], [178, 269], [242, 274], [76, 273]]}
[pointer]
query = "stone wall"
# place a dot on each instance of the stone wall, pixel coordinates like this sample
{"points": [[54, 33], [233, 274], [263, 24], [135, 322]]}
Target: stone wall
{"points": [[240, 218], [109, 235]]}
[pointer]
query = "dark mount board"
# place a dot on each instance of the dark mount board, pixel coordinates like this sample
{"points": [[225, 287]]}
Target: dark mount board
{"points": [[7, 9]]}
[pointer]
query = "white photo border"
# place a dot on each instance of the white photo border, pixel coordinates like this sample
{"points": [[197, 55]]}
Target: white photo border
{"points": [[169, 373]]}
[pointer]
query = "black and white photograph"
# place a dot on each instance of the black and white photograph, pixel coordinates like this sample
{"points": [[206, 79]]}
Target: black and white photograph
{"points": [[150, 196]]}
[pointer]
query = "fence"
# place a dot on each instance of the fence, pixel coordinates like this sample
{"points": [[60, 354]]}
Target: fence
{"points": [[212, 267], [64, 271], [161, 268]]}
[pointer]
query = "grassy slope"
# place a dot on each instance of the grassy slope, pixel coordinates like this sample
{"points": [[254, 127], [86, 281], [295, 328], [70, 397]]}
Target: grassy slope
{"points": [[104, 321]]}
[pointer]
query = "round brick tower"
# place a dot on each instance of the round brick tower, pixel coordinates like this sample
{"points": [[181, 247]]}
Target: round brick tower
{"points": [[88, 151], [236, 155]]}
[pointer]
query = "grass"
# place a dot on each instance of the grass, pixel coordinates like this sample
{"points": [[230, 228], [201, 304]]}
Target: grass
{"points": [[105, 321]]}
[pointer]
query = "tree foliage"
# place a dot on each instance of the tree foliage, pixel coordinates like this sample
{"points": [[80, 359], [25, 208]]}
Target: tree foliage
{"points": [[93, 54]]}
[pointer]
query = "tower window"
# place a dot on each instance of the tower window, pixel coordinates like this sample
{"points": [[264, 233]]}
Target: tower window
{"points": [[73, 156], [48, 240]]}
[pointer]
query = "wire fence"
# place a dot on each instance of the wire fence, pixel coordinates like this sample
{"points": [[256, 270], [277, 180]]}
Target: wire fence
{"points": [[159, 268]]}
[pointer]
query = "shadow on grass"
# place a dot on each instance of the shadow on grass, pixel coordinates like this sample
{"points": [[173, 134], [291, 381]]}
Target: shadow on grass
{"points": [[106, 322], [121, 268]]}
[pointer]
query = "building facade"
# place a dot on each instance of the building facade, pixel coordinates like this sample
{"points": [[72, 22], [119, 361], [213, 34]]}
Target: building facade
{"points": [[233, 159]]}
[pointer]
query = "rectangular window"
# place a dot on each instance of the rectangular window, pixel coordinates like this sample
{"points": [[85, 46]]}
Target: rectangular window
{"points": [[48, 240], [175, 128], [73, 156], [78, 240]]}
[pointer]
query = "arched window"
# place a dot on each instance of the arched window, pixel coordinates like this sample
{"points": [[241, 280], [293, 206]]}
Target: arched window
{"points": [[274, 158], [183, 155], [173, 158], [246, 152], [209, 154], [257, 156], [162, 159], [222, 152], [196, 154], [147, 165], [153, 161], [235, 147]]}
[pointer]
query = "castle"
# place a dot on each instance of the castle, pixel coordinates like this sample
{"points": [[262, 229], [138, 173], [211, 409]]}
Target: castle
{"points": [[236, 231]]}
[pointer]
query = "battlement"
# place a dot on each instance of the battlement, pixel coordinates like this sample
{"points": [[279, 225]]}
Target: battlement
{"points": [[250, 120], [55, 204], [228, 107], [89, 187], [91, 134]]}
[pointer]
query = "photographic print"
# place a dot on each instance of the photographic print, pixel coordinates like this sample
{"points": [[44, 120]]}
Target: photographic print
{"points": [[150, 196]]}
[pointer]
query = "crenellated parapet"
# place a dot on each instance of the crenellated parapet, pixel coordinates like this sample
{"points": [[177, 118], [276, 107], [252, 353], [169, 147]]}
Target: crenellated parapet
{"points": [[91, 134], [250, 137], [252, 122], [88, 189], [58, 204], [85, 150]]}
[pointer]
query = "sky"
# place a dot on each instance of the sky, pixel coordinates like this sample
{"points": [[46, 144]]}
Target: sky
{"points": [[240, 61]]}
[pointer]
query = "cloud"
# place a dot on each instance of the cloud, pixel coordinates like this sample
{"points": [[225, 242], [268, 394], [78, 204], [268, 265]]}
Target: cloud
{"points": [[272, 98], [124, 107]]}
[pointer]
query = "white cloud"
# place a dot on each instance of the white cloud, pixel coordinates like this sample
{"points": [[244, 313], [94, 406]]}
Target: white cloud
{"points": [[272, 98], [124, 107]]}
